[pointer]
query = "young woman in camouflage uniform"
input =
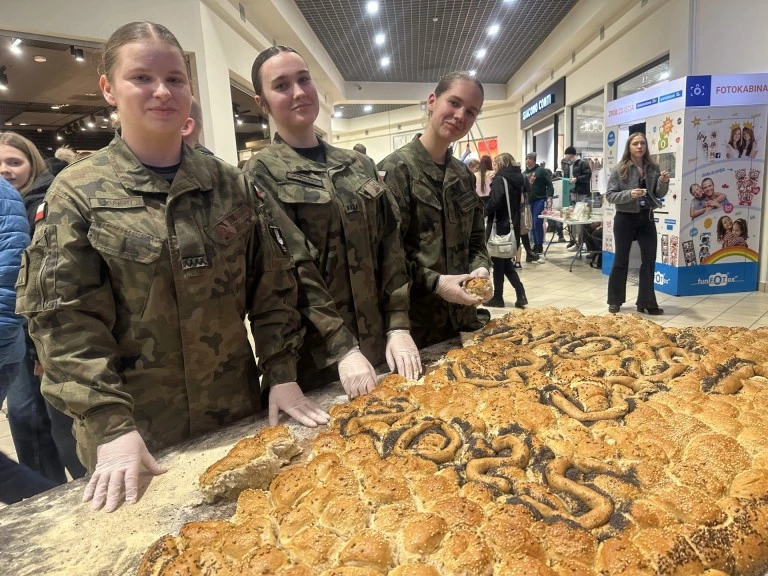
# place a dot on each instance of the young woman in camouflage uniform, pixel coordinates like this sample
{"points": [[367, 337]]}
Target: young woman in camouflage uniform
{"points": [[146, 258], [350, 222], [442, 218]]}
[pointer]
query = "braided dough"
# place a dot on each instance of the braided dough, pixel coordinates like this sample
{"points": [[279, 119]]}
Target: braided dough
{"points": [[557, 444]]}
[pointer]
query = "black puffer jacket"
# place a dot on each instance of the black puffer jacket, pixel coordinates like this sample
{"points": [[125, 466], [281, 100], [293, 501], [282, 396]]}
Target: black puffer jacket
{"points": [[35, 196], [496, 209]]}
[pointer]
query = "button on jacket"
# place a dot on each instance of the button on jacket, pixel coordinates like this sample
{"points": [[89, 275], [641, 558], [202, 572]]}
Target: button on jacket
{"points": [[619, 191], [442, 224], [350, 221], [136, 291]]}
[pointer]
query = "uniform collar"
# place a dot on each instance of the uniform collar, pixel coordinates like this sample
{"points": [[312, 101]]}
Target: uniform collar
{"points": [[426, 162], [335, 157], [133, 175]]}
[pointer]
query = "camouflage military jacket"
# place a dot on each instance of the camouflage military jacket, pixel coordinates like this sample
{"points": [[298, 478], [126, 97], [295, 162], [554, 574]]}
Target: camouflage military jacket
{"points": [[136, 291], [350, 220], [442, 226]]}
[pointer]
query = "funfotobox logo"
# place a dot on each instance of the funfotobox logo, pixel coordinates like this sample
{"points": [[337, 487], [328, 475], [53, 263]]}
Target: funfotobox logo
{"points": [[660, 279], [718, 279]]}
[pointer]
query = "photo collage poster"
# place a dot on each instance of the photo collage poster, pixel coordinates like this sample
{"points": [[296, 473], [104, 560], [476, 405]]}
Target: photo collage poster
{"points": [[722, 185]]}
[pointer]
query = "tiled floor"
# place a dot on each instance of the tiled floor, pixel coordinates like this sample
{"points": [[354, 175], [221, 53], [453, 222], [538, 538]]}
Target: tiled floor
{"points": [[550, 284]]}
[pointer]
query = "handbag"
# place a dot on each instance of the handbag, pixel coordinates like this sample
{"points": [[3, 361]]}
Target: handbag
{"points": [[526, 219], [503, 246]]}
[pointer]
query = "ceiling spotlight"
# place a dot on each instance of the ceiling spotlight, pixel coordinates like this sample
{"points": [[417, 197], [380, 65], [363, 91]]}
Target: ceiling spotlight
{"points": [[91, 121], [113, 116], [472, 73], [59, 136], [664, 75], [55, 106], [39, 59], [367, 108], [239, 122], [372, 7], [23, 124], [264, 126], [16, 46], [493, 29], [3, 79], [82, 127], [379, 39], [481, 53], [338, 114], [77, 53], [385, 61]]}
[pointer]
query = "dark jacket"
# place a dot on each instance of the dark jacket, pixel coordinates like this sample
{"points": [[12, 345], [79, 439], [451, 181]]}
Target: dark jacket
{"points": [[580, 170], [34, 197], [496, 209], [541, 188]]}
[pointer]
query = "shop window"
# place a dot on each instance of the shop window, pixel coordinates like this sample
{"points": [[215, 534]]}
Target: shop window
{"points": [[655, 73], [587, 131]]}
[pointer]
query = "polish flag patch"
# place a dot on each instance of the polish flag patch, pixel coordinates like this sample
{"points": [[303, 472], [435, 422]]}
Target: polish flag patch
{"points": [[41, 211]]}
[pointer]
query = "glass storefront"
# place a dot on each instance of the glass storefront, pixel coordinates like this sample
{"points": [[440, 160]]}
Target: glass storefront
{"points": [[655, 73], [587, 129]]}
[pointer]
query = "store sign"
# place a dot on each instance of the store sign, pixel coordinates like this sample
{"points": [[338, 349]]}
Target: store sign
{"points": [[538, 106], [591, 126], [546, 103], [728, 90], [660, 99]]}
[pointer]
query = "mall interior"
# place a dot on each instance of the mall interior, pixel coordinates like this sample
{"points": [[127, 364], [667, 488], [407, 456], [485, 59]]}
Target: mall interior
{"points": [[556, 74]]}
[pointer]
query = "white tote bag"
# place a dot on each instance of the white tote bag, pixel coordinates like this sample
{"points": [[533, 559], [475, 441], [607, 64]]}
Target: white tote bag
{"points": [[503, 246]]}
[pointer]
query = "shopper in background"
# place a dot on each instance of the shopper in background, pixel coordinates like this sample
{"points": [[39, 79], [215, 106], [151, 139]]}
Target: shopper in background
{"points": [[350, 220], [41, 434], [140, 224], [442, 217], [359, 148], [17, 481], [507, 164], [579, 175], [541, 189], [193, 127], [63, 157], [498, 213], [635, 186], [484, 177]]}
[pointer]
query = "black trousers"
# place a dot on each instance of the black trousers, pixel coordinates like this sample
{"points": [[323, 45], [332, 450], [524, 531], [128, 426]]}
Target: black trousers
{"points": [[626, 228], [504, 267]]}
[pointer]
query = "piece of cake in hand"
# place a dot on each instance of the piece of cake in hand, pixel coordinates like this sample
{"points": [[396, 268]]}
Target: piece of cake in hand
{"points": [[479, 287], [252, 463]]}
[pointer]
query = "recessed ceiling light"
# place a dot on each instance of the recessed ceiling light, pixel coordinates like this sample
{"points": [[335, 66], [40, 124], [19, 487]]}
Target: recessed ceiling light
{"points": [[481, 53], [59, 137], [379, 39], [472, 72], [341, 107], [55, 106], [493, 29], [663, 75], [23, 124], [91, 94], [239, 122], [385, 61], [367, 108], [40, 59], [16, 46], [9, 123], [372, 7], [337, 114], [263, 126]]}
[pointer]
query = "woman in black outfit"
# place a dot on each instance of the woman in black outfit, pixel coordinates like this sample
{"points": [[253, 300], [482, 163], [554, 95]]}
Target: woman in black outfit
{"points": [[496, 211], [635, 187]]}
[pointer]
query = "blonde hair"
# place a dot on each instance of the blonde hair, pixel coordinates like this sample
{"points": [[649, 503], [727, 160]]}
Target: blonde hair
{"points": [[505, 159], [30, 151]]}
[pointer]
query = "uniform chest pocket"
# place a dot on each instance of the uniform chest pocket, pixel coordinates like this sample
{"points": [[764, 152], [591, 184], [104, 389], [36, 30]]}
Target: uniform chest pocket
{"points": [[311, 209], [427, 210], [131, 258], [467, 202]]}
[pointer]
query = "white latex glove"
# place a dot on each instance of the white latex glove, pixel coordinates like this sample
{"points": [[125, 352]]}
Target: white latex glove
{"points": [[449, 289], [118, 464], [357, 375], [481, 272], [403, 354], [290, 399]]}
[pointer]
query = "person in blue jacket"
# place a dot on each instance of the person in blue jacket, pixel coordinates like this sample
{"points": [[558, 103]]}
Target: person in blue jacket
{"points": [[16, 480]]}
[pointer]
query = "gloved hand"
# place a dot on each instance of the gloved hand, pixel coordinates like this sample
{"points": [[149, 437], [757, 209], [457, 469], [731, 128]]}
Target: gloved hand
{"points": [[403, 354], [289, 398], [449, 289], [356, 374], [482, 272], [118, 464]]}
